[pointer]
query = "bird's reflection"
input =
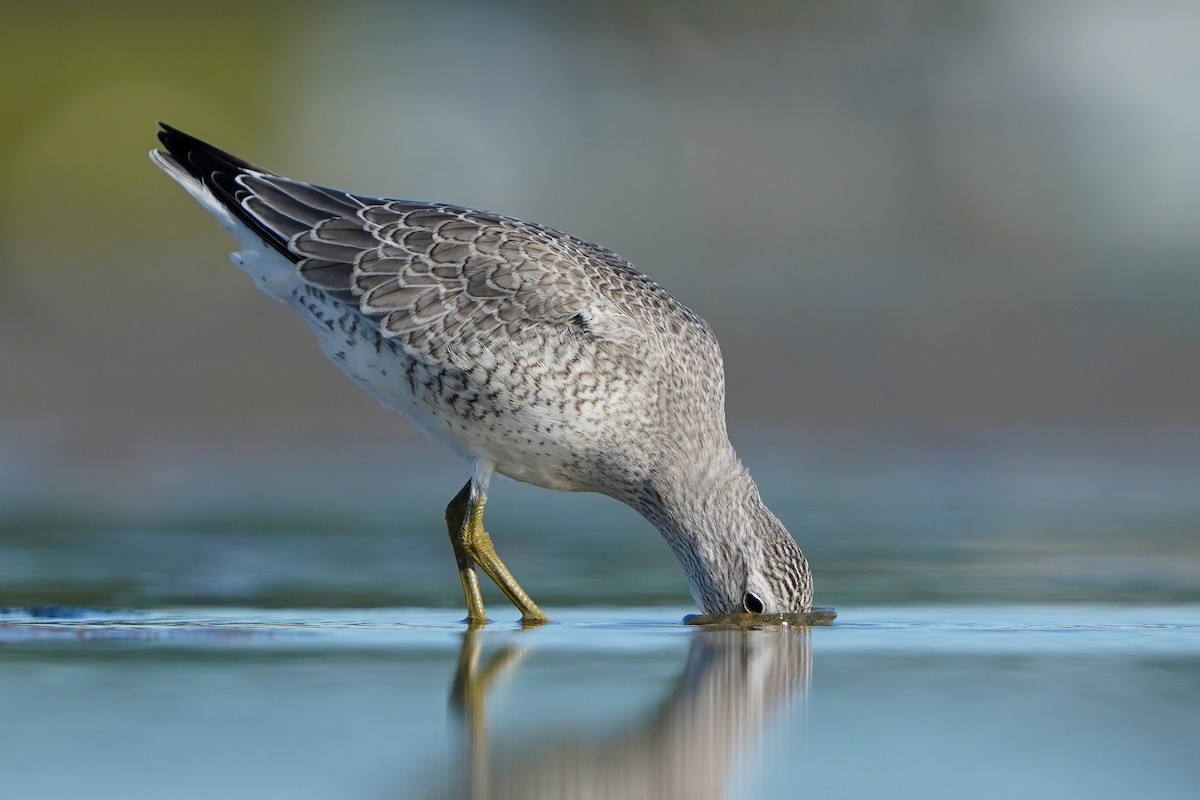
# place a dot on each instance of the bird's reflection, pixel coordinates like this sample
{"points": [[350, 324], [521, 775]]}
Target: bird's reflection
{"points": [[733, 684]]}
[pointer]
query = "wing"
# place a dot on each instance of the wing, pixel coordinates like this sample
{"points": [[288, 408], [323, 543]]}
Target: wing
{"points": [[443, 281], [446, 280]]}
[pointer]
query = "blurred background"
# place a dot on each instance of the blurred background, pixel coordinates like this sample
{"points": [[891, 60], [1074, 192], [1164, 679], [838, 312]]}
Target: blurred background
{"points": [[950, 249]]}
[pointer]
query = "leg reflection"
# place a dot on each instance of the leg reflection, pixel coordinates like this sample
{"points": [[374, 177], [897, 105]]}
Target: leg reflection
{"points": [[734, 683], [468, 700]]}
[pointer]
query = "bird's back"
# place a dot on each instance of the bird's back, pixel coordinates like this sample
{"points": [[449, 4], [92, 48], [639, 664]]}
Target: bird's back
{"points": [[551, 357]]}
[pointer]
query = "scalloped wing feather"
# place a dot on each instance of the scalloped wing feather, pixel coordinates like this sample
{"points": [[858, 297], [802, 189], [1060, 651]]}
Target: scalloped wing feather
{"points": [[424, 270]]}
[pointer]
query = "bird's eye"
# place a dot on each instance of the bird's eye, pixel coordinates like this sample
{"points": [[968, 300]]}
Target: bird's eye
{"points": [[752, 603]]}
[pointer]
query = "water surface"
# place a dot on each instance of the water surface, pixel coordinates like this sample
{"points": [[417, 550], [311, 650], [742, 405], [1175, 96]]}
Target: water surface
{"points": [[1012, 625], [979, 701]]}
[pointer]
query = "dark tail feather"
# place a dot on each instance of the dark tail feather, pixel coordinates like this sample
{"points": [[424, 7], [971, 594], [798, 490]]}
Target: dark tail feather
{"points": [[199, 157], [274, 207], [219, 171]]}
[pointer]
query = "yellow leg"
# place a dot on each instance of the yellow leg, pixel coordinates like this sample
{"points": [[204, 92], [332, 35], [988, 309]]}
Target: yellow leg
{"points": [[456, 513], [473, 546]]}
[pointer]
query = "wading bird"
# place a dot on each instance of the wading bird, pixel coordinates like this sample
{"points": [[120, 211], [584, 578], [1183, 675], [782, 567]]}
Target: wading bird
{"points": [[528, 352]]}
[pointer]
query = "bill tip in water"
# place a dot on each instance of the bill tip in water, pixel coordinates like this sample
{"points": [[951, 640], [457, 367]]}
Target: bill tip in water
{"points": [[816, 616]]}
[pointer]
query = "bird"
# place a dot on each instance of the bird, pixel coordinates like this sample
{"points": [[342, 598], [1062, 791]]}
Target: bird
{"points": [[528, 352]]}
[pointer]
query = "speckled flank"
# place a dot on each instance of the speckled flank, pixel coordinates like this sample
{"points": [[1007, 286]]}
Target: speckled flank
{"points": [[552, 360]]}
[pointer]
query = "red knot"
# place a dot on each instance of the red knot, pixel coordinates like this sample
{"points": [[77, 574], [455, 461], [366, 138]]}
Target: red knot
{"points": [[528, 352]]}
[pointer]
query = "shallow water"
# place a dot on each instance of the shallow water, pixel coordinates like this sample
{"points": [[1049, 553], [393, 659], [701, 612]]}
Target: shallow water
{"points": [[1008, 626], [963, 701]]}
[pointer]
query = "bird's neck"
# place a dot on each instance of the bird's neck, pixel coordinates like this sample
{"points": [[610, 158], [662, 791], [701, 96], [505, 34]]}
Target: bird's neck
{"points": [[705, 509]]}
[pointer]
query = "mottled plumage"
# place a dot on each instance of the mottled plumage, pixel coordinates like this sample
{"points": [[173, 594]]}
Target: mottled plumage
{"points": [[529, 352]]}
